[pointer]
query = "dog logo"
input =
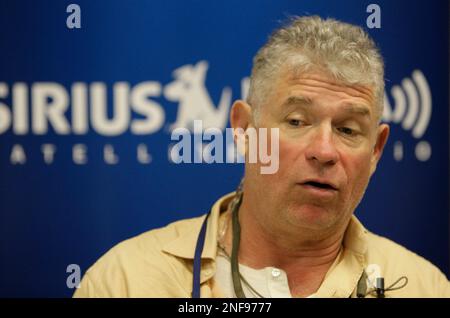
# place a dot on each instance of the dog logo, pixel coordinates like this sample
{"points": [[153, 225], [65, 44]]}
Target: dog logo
{"points": [[188, 89]]}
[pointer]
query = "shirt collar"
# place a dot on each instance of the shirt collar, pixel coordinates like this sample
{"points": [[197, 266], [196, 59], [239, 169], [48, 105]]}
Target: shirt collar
{"points": [[184, 245], [342, 278], [355, 238]]}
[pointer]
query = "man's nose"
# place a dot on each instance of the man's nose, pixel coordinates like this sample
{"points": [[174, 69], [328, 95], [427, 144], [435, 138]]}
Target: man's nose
{"points": [[321, 147]]}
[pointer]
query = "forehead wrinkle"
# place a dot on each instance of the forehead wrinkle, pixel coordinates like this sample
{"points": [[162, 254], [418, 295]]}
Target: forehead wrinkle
{"points": [[311, 80], [353, 90]]}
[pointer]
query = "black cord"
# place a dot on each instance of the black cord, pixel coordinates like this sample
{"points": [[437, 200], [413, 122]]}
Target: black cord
{"points": [[380, 292], [390, 288], [236, 228], [240, 275]]}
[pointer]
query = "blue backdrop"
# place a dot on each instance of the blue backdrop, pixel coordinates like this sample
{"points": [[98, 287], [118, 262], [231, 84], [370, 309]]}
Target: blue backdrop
{"points": [[76, 177]]}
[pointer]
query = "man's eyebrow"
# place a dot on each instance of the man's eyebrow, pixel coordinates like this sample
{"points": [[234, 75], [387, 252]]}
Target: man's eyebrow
{"points": [[297, 100], [357, 109]]}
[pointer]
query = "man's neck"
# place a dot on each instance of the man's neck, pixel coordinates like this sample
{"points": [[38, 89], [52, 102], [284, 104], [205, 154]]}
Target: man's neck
{"points": [[305, 261], [260, 248]]}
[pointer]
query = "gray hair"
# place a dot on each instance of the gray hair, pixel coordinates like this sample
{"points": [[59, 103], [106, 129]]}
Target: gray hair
{"points": [[343, 50]]}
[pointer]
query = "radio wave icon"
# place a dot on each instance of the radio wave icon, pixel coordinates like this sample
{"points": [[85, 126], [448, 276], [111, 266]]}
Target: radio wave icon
{"points": [[412, 100]]}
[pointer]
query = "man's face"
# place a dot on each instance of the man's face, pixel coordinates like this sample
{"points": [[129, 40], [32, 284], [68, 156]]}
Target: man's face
{"points": [[329, 145]]}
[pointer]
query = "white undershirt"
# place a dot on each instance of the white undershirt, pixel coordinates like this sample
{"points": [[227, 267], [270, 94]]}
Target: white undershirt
{"points": [[269, 282]]}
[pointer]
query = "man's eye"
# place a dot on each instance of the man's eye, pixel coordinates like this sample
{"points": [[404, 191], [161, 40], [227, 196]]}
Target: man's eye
{"points": [[346, 131], [294, 122]]}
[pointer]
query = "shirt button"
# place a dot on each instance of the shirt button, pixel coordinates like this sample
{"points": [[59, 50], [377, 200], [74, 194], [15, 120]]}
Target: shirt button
{"points": [[276, 272]]}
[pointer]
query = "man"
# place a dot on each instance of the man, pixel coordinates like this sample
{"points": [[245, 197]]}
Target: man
{"points": [[291, 233]]}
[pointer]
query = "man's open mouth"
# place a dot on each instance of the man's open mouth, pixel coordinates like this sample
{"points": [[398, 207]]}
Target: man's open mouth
{"points": [[320, 185]]}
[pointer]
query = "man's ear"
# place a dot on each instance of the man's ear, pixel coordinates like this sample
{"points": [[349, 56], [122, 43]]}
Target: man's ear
{"points": [[382, 137], [240, 115], [241, 119]]}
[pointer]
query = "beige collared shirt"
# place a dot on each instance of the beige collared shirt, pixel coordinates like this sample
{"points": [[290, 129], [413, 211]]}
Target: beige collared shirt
{"points": [[158, 263]]}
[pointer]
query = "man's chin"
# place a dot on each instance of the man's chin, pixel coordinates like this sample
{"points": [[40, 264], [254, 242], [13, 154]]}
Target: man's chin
{"points": [[312, 217]]}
